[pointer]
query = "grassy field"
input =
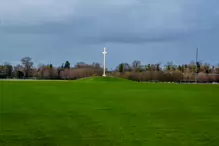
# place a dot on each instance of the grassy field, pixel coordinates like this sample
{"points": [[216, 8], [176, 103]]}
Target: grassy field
{"points": [[107, 112]]}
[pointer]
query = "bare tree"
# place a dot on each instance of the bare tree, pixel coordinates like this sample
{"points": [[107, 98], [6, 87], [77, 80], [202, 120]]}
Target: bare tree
{"points": [[96, 65], [80, 65], [28, 64], [206, 68], [217, 69]]}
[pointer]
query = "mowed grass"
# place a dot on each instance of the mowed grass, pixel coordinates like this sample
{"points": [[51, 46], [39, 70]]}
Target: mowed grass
{"points": [[108, 112]]}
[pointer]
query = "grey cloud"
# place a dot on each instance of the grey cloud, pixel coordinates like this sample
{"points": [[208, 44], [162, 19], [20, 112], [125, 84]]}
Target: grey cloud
{"points": [[124, 21], [13, 12], [65, 29]]}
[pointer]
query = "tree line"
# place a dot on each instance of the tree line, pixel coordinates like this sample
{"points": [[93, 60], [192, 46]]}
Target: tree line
{"points": [[134, 71]]}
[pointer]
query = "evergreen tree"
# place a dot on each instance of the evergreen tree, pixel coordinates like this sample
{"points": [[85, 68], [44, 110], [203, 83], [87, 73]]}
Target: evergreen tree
{"points": [[67, 65], [121, 67]]}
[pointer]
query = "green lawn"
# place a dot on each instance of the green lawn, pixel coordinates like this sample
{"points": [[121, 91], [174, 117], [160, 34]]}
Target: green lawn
{"points": [[107, 112]]}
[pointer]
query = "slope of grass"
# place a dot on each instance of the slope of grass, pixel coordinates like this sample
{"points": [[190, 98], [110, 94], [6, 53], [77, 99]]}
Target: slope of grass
{"points": [[107, 112], [103, 79]]}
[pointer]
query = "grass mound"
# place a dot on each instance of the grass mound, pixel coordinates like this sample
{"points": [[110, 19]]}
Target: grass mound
{"points": [[103, 79]]}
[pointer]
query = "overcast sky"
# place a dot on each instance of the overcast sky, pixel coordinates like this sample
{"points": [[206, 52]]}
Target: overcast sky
{"points": [[152, 31]]}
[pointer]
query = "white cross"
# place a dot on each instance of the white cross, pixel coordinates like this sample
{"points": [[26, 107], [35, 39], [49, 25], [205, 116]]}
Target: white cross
{"points": [[104, 62]]}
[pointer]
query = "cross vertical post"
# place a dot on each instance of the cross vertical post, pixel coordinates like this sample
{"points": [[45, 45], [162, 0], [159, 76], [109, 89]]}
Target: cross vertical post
{"points": [[104, 62]]}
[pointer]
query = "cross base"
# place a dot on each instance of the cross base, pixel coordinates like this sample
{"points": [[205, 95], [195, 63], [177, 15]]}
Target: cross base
{"points": [[104, 75]]}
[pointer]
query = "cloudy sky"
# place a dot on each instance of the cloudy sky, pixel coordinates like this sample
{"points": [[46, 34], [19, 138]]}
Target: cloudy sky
{"points": [[152, 31]]}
